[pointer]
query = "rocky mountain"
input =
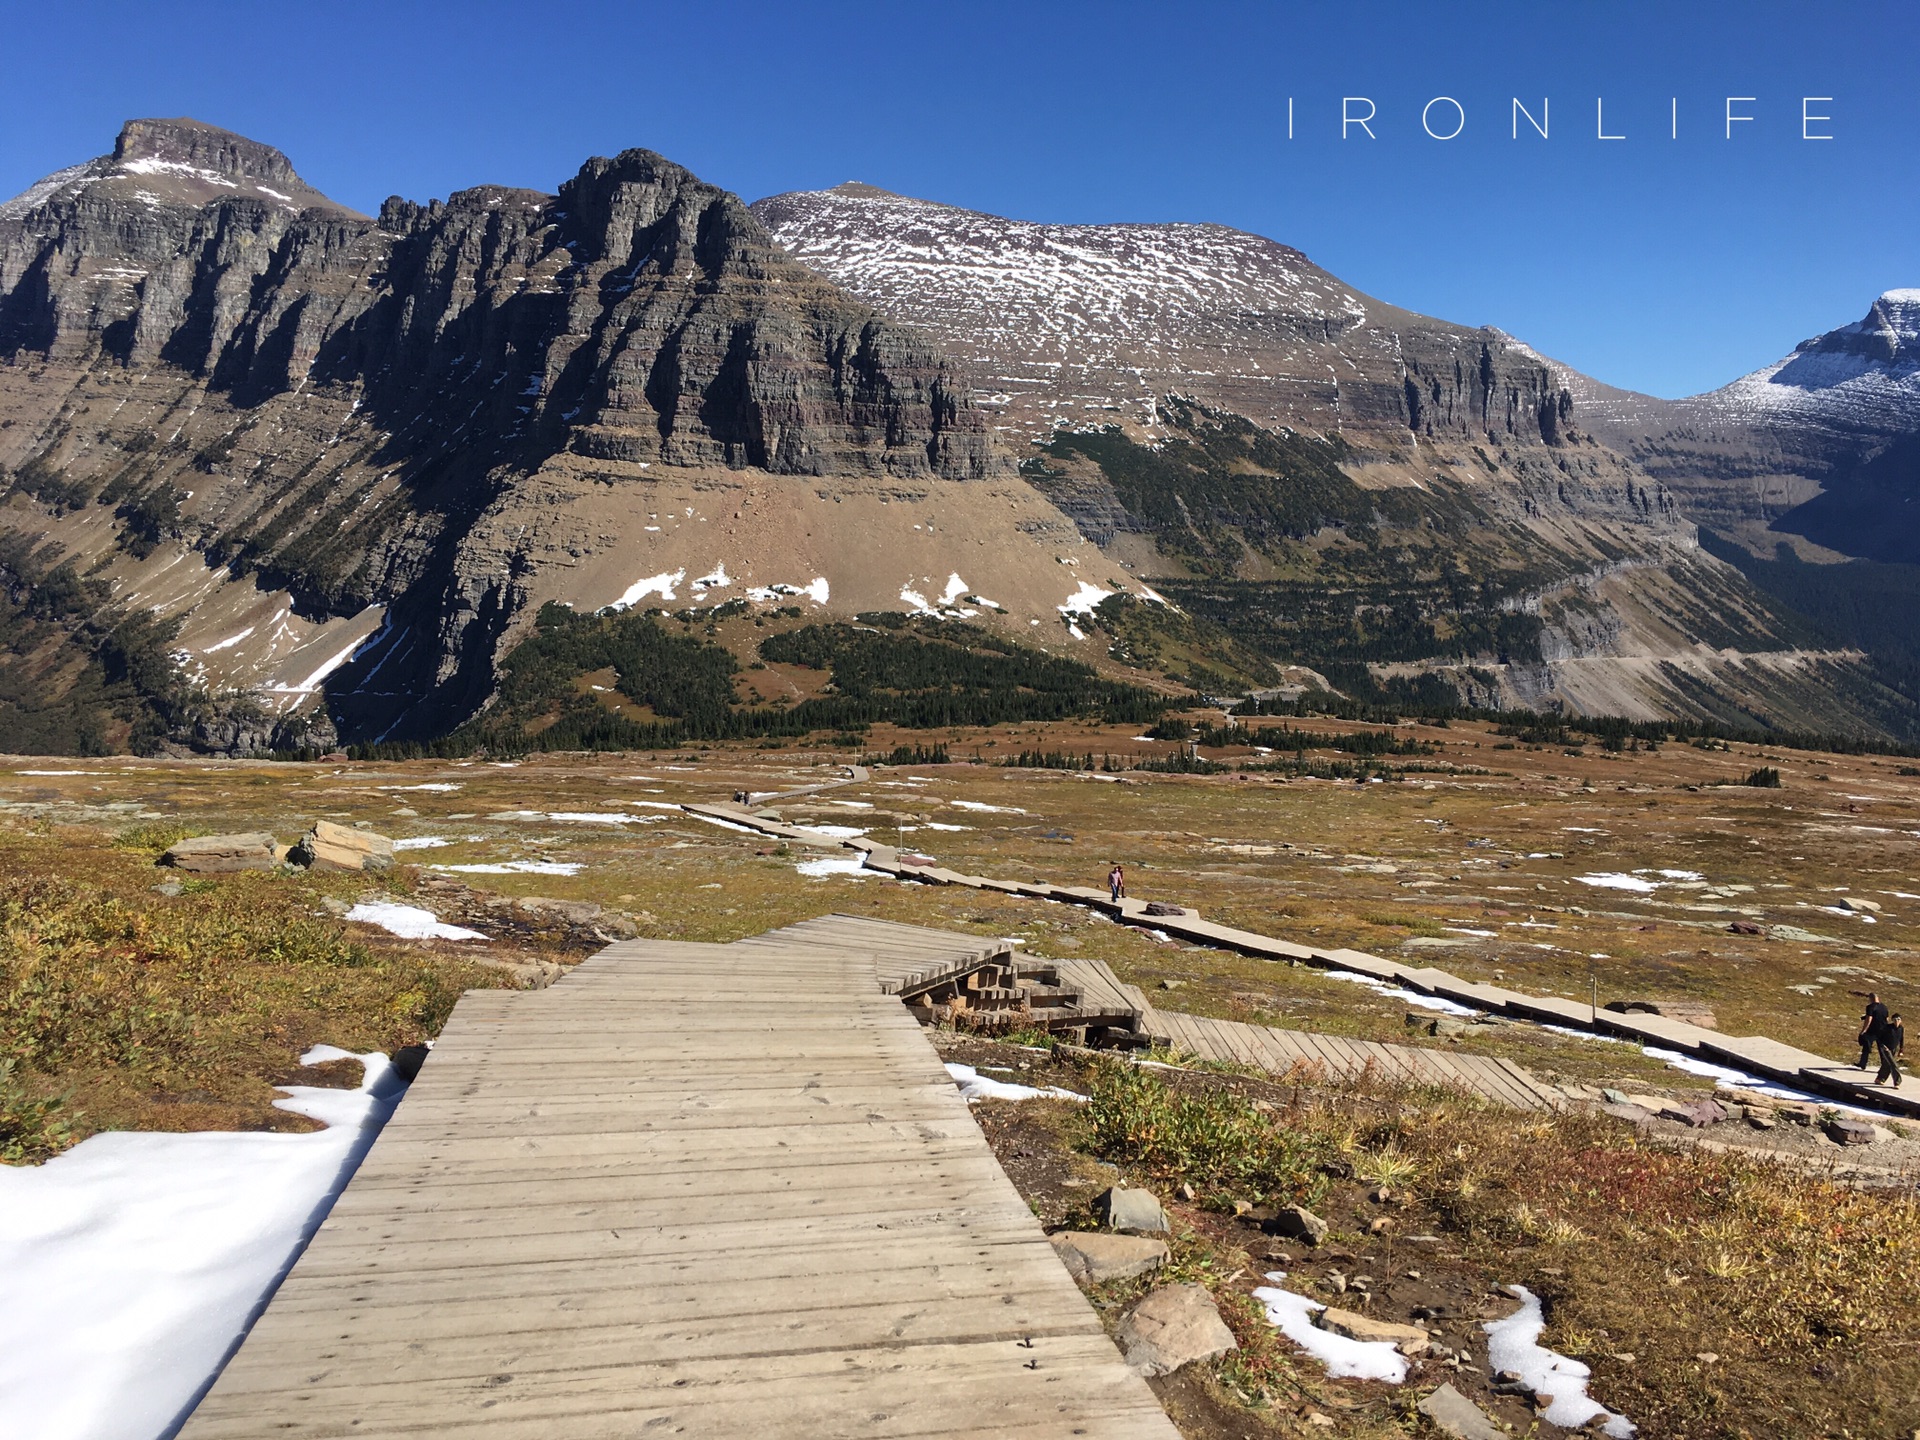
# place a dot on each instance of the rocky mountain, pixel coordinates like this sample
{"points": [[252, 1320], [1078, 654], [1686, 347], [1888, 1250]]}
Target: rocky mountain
{"points": [[272, 471], [1386, 496], [1070, 324], [321, 457], [1823, 445]]}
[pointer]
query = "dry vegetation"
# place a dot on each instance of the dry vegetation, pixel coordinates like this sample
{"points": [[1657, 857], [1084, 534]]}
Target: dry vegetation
{"points": [[1713, 1295]]}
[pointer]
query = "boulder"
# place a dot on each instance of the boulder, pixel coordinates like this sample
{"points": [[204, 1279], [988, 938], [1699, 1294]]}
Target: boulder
{"points": [[1453, 1414], [1859, 906], [1300, 1223], [1843, 1131], [1122, 1209], [1160, 907], [328, 846], [1095, 1256], [1744, 927], [222, 854], [1175, 1326], [1409, 1340]]}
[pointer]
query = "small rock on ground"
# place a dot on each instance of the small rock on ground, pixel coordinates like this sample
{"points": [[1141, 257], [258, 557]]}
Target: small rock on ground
{"points": [[1096, 1256], [1458, 1416], [1173, 1327], [1407, 1339], [1137, 1210], [1300, 1223]]}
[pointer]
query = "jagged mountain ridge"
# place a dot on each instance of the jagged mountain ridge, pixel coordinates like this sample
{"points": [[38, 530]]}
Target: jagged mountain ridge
{"points": [[1823, 444], [314, 435], [1082, 326]]}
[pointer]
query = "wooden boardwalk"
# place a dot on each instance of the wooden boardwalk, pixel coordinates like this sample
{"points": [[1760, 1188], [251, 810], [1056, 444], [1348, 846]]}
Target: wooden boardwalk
{"points": [[1264, 1047], [689, 1190], [1759, 1055]]}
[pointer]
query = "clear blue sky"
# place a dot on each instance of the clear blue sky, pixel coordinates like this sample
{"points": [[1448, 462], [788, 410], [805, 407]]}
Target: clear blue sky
{"points": [[1663, 265]]}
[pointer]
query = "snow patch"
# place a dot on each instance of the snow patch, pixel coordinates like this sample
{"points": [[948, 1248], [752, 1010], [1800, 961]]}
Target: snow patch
{"points": [[1615, 881], [131, 1265], [515, 867], [1344, 1357], [975, 1086], [1514, 1344], [409, 922], [1085, 600], [662, 585], [422, 842], [853, 869]]}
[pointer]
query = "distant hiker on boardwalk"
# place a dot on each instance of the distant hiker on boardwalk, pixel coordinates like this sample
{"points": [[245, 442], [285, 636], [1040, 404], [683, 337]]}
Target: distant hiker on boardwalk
{"points": [[1117, 882], [1893, 1040], [1871, 1024]]}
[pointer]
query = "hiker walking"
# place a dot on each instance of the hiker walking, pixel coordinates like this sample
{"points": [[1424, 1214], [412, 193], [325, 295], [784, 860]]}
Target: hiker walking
{"points": [[1893, 1040], [1117, 882], [1871, 1023]]}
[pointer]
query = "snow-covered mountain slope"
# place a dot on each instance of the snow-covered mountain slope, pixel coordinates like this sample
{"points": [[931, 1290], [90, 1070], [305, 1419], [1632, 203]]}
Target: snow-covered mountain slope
{"points": [[1823, 443], [1078, 324]]}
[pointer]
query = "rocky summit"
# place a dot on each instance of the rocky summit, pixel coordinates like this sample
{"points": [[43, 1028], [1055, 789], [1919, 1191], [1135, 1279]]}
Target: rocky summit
{"points": [[281, 475]]}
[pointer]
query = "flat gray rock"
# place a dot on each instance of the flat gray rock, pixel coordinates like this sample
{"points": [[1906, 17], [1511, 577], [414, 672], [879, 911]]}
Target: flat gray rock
{"points": [[1173, 1327], [1139, 1210], [1094, 1256], [222, 854], [1458, 1416]]}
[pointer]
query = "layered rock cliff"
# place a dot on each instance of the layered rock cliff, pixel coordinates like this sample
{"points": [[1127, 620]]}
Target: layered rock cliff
{"points": [[1415, 497], [301, 413]]}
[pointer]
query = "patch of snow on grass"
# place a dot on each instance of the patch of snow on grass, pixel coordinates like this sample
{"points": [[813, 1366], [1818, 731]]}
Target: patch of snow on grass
{"points": [[1514, 1344], [1394, 992], [936, 825], [422, 842], [515, 867], [988, 809], [853, 869], [1344, 1357], [59, 772], [837, 832], [1615, 881], [130, 1265], [596, 817], [976, 1086], [409, 922]]}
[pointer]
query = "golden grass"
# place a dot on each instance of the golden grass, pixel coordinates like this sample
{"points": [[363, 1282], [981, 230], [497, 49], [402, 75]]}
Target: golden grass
{"points": [[181, 1012]]}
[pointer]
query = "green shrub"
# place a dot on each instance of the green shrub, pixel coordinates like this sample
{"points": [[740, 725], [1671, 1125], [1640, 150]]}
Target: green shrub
{"points": [[1214, 1141], [32, 1127]]}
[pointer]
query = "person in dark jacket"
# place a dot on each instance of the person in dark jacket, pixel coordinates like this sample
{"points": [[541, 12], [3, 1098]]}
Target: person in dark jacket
{"points": [[1870, 1024], [1893, 1040]]}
